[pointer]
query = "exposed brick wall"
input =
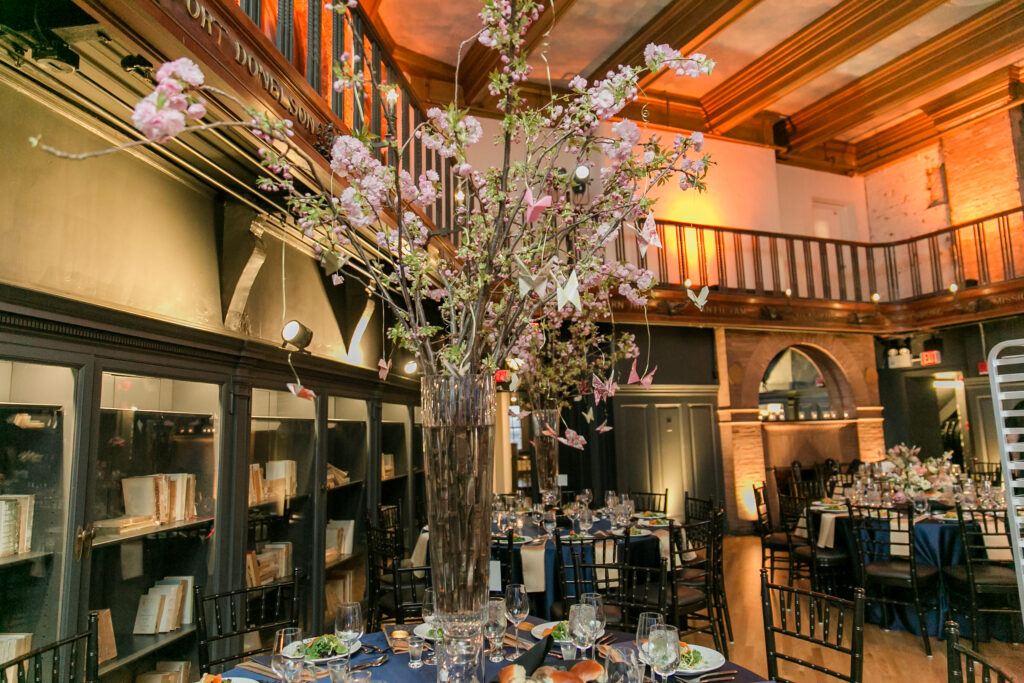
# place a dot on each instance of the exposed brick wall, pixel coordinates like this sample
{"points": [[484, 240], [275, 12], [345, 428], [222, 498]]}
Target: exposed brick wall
{"points": [[899, 195], [981, 169]]}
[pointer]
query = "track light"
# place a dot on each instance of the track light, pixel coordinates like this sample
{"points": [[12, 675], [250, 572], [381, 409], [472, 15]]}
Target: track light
{"points": [[296, 334]]}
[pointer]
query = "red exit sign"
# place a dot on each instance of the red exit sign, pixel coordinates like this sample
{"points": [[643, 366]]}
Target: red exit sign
{"points": [[931, 358]]}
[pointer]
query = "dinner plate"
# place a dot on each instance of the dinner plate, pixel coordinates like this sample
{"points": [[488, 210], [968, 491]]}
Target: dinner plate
{"points": [[538, 631], [654, 523], [423, 631], [710, 660], [638, 533], [293, 648], [649, 515], [518, 541], [237, 679]]}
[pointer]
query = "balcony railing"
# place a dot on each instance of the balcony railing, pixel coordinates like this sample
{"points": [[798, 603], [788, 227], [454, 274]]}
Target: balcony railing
{"points": [[730, 260], [313, 40]]}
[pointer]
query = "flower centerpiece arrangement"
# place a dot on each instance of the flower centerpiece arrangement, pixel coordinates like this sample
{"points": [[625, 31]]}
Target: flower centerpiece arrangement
{"points": [[909, 474], [522, 250]]}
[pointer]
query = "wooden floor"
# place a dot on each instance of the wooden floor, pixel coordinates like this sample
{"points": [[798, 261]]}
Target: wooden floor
{"points": [[888, 655]]}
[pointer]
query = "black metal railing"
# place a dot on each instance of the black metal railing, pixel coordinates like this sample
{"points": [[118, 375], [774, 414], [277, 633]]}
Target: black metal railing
{"points": [[985, 251], [313, 39]]}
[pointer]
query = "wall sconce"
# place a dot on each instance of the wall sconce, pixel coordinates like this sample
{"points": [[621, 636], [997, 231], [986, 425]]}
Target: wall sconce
{"points": [[789, 296], [296, 334], [411, 367], [954, 289], [460, 196], [875, 298], [687, 283]]}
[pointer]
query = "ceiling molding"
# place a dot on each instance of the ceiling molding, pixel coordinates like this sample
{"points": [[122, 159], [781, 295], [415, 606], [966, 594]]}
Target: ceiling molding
{"points": [[683, 24], [996, 92], [830, 40], [479, 61], [988, 35]]}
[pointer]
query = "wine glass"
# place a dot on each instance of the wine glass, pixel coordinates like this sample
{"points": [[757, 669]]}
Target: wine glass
{"points": [[587, 497], [348, 625], [610, 500], [282, 639], [644, 624], [573, 511], [427, 611], [920, 503], [586, 521], [970, 496], [494, 627], [550, 523], [517, 608], [581, 625], [663, 646], [600, 619], [506, 520]]}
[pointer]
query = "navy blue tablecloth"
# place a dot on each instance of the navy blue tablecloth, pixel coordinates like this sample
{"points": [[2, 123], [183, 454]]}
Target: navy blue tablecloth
{"points": [[397, 666]]}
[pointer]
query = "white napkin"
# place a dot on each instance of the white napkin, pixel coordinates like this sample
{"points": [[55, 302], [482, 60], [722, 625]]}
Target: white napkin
{"points": [[827, 529], [801, 527], [419, 553], [534, 572]]}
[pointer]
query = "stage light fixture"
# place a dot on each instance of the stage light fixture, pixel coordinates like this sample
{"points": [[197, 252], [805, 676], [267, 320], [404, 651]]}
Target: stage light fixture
{"points": [[296, 334]]}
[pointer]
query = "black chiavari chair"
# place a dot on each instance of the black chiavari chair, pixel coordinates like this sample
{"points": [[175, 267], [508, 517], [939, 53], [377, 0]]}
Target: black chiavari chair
{"points": [[503, 549], [64, 661], [697, 509], [389, 517], [986, 582], [774, 544], [384, 550], [626, 590], [964, 665], [979, 471], [692, 581], [650, 500], [887, 565], [814, 618], [606, 550], [811, 488], [403, 602], [821, 565], [224, 619], [793, 523], [839, 483]]}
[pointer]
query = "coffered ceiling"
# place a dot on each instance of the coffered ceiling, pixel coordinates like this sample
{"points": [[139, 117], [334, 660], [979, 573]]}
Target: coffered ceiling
{"points": [[842, 85]]}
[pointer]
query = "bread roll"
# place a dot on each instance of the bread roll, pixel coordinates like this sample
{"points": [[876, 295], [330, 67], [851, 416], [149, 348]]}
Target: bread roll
{"points": [[513, 673], [588, 670]]}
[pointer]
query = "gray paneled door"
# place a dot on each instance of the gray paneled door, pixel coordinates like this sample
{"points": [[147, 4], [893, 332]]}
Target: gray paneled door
{"points": [[665, 438]]}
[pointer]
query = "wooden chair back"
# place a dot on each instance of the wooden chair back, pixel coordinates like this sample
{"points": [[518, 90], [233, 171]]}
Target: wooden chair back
{"points": [[883, 534], [964, 665], [650, 500], [814, 618], [628, 589], [697, 509], [764, 521], [224, 619], [985, 536], [70, 660]]}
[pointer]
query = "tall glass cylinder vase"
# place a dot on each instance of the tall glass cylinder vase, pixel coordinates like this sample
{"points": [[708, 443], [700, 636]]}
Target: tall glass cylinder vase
{"points": [[458, 443], [546, 453]]}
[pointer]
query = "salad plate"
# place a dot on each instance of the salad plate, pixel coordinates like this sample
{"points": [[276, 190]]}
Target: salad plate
{"points": [[649, 514], [321, 649], [559, 631], [697, 659], [516, 540], [633, 532], [426, 632], [654, 523]]}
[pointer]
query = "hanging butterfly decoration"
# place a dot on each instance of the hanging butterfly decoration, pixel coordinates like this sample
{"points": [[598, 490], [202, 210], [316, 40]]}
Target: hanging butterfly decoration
{"points": [[699, 300], [537, 283], [569, 293], [604, 390], [603, 427], [548, 431], [589, 415], [535, 208], [646, 380], [383, 369], [648, 235], [301, 391], [572, 439]]}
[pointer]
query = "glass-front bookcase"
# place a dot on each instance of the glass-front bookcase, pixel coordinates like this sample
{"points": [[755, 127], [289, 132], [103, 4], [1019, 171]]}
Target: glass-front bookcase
{"points": [[282, 449], [395, 453], [152, 511], [37, 444]]}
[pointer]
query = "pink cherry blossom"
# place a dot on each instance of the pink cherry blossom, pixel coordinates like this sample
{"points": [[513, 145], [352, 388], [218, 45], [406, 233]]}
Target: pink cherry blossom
{"points": [[157, 123], [183, 69]]}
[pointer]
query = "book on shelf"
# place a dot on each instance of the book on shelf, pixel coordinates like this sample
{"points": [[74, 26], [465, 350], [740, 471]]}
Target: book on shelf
{"points": [[276, 493], [282, 553], [256, 484], [252, 570], [182, 496], [183, 669], [336, 477], [387, 465], [286, 470], [8, 527], [170, 617], [341, 536], [25, 510], [105, 642], [149, 614], [338, 591], [122, 525], [187, 612], [12, 646]]}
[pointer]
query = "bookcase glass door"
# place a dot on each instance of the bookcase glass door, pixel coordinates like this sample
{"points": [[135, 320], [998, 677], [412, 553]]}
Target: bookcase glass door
{"points": [[37, 427], [281, 508], [152, 513], [348, 429], [395, 452]]}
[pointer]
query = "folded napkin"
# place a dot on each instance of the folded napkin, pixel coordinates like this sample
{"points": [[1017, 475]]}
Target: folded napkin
{"points": [[533, 658], [534, 573], [827, 529], [801, 527], [419, 553], [995, 544]]}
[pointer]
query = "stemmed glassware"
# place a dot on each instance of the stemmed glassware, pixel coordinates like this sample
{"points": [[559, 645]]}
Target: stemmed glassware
{"points": [[610, 501], [581, 625], [427, 612], [586, 497], [600, 619], [550, 523], [573, 511], [285, 666], [663, 647], [970, 496], [494, 628], [586, 521], [644, 624], [920, 503], [517, 608], [348, 625]]}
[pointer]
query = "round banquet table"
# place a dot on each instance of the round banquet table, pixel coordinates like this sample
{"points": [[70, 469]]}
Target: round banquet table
{"points": [[397, 666], [937, 543]]}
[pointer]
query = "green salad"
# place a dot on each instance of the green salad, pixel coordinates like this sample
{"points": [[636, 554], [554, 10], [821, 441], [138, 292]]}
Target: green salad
{"points": [[689, 658], [324, 647], [560, 632], [435, 634]]}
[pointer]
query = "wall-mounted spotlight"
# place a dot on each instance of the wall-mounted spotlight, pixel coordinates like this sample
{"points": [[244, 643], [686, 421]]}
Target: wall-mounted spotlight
{"points": [[460, 196], [296, 334], [411, 367], [582, 172], [687, 283], [875, 298]]}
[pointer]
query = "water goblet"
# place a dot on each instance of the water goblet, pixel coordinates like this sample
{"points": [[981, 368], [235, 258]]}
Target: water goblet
{"points": [[517, 608], [348, 625], [282, 639], [645, 622], [550, 522], [581, 626], [920, 503], [664, 650], [428, 612], [600, 619], [587, 497], [494, 627], [586, 521], [572, 511]]}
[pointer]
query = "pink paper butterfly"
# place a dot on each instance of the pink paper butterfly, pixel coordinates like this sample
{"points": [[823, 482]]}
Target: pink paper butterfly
{"points": [[535, 208], [645, 380], [603, 427], [604, 390], [337, 279], [301, 391], [548, 431], [573, 440], [384, 368], [648, 236]]}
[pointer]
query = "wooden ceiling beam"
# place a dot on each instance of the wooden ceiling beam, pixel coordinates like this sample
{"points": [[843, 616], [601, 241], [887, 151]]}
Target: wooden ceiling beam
{"points": [[479, 61], [996, 92], [990, 34], [836, 36], [683, 24]]}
